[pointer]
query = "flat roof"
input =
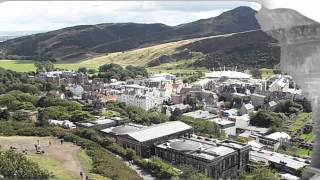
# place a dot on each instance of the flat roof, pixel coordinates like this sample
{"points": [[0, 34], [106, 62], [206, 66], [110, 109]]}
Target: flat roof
{"points": [[198, 148], [123, 129], [286, 160], [200, 114], [159, 130], [229, 74], [222, 121], [103, 121]]}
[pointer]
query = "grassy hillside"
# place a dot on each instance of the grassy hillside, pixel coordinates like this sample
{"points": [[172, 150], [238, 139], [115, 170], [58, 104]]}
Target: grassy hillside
{"points": [[78, 42], [138, 57], [252, 49]]}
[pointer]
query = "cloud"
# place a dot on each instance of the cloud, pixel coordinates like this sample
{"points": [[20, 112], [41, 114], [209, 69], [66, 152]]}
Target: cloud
{"points": [[49, 15]]}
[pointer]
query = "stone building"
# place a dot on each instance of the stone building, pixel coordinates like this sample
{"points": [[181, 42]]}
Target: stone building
{"points": [[216, 159], [143, 140]]}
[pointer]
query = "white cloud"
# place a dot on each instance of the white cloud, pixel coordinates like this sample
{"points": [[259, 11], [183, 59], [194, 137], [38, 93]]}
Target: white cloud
{"points": [[49, 15]]}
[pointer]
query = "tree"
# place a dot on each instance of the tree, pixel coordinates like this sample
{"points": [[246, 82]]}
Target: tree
{"points": [[267, 119], [83, 70], [175, 114], [92, 71], [14, 165], [79, 115], [190, 173], [44, 66], [259, 173], [53, 112], [288, 107], [256, 73]]}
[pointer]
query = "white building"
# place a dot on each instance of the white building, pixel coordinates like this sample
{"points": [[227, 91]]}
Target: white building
{"points": [[141, 96], [229, 74], [77, 90], [200, 114], [242, 122], [281, 137], [226, 126], [280, 84]]}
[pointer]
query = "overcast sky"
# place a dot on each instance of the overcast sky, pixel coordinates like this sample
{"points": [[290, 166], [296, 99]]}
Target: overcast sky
{"points": [[44, 16]]}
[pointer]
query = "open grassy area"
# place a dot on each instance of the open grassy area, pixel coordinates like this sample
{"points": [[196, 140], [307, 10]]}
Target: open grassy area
{"points": [[63, 161], [266, 73], [307, 137], [303, 152], [86, 162], [138, 57], [27, 65], [301, 119], [53, 166]]}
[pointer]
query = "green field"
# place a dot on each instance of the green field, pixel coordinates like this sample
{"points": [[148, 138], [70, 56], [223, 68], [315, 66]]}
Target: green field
{"points": [[300, 120], [26, 65], [86, 162], [266, 73]]}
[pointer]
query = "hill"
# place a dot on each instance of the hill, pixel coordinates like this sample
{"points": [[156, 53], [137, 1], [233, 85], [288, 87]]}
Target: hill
{"points": [[74, 43], [250, 49]]}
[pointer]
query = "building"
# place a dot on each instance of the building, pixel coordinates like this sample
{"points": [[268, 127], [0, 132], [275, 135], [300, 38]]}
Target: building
{"points": [[258, 100], [77, 91], [26, 114], [279, 84], [62, 123], [141, 96], [281, 162], [144, 139], [242, 122], [200, 114], [226, 126], [120, 130], [182, 107], [217, 160], [235, 75], [246, 109], [282, 137]]}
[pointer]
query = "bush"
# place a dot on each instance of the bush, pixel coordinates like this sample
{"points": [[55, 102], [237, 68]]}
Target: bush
{"points": [[14, 165]]}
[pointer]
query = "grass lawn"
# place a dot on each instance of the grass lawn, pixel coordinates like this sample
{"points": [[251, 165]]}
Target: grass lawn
{"points": [[27, 65], [86, 162], [300, 120], [53, 166], [63, 161], [303, 152], [307, 137], [266, 73]]}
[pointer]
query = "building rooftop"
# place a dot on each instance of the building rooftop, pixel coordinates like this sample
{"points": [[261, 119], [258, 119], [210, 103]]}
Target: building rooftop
{"points": [[222, 121], [123, 129], [229, 74], [200, 114], [159, 130], [103, 121], [278, 135], [273, 157], [197, 148]]}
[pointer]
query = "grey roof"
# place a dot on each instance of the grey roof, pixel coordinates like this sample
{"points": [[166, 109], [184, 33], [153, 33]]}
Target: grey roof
{"points": [[124, 129], [185, 145], [248, 106], [258, 95], [272, 103], [103, 121], [159, 130]]}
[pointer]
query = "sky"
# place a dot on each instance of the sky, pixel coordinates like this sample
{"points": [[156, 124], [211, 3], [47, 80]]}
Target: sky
{"points": [[45, 16]]}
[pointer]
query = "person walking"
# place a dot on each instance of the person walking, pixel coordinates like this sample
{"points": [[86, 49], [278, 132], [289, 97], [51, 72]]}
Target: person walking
{"points": [[81, 174]]}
